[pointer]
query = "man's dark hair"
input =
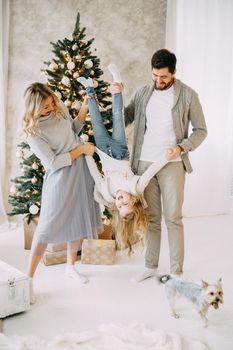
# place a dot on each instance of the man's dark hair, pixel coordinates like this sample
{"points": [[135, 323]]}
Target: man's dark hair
{"points": [[162, 59]]}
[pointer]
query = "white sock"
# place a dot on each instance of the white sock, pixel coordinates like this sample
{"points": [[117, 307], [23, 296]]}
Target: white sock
{"points": [[146, 273], [31, 291], [85, 82], [115, 73], [71, 272]]}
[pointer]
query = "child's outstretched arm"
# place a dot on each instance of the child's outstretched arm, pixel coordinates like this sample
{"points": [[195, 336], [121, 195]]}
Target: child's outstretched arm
{"points": [[148, 174]]}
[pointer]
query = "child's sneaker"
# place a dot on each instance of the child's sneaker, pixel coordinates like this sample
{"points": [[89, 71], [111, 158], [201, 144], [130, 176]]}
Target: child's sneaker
{"points": [[115, 73], [85, 82]]}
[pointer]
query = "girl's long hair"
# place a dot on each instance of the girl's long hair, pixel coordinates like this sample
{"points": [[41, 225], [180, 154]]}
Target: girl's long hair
{"points": [[131, 228], [34, 96]]}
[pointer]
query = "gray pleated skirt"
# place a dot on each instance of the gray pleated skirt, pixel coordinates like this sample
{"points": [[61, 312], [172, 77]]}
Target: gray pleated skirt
{"points": [[68, 210]]}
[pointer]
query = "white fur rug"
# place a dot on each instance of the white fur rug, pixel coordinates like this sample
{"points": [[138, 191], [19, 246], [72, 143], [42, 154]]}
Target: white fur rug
{"points": [[107, 337]]}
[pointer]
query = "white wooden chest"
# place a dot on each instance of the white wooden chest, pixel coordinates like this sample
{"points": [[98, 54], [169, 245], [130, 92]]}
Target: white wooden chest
{"points": [[14, 290]]}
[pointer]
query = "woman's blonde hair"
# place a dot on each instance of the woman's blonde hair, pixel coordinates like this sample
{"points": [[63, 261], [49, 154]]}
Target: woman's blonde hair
{"points": [[34, 96], [131, 228]]}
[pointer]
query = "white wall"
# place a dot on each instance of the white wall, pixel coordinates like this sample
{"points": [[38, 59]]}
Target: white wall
{"points": [[125, 32]]}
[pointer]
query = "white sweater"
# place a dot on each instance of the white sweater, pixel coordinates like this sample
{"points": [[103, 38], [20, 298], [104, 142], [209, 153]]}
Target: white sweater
{"points": [[118, 176]]}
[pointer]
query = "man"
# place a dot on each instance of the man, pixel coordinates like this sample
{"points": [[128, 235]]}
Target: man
{"points": [[162, 112]]}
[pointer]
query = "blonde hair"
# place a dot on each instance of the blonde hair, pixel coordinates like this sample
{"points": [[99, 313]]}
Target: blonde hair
{"points": [[133, 227], [34, 96]]}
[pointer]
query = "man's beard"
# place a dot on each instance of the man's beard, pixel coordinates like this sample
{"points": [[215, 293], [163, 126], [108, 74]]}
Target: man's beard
{"points": [[165, 86]]}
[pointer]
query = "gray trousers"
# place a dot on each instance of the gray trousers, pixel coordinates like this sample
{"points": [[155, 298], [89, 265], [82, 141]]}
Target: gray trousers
{"points": [[167, 189]]}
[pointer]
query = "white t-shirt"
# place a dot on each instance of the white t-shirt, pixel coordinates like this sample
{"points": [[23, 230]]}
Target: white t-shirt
{"points": [[118, 173], [159, 135]]}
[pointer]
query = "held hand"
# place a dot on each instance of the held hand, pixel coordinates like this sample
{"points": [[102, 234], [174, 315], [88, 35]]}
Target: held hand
{"points": [[88, 148], [173, 152], [85, 101], [116, 88]]}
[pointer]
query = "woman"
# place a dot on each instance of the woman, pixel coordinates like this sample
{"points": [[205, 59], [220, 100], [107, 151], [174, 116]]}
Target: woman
{"points": [[68, 210]]}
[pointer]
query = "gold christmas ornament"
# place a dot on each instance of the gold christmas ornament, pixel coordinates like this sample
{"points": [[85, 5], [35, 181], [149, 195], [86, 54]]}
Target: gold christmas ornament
{"points": [[95, 83], [82, 92], [34, 180], [78, 58], [84, 42], [53, 66]]}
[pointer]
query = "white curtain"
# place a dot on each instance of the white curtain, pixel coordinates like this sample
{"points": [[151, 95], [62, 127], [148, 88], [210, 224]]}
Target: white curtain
{"points": [[4, 31], [200, 33]]}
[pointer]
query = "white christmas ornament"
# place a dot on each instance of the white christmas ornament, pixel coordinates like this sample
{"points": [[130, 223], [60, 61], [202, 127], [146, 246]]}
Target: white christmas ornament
{"points": [[75, 75], [76, 104], [13, 189], [58, 94], [88, 64], [92, 72], [19, 153], [67, 103], [70, 65], [66, 81], [35, 166], [84, 137], [53, 66], [95, 83], [74, 47], [33, 209]]}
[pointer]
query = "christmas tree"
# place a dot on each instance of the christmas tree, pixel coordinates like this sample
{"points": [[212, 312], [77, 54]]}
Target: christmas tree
{"points": [[72, 58]]}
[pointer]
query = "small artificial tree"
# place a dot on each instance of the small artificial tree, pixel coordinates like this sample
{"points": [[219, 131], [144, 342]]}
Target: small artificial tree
{"points": [[73, 58]]}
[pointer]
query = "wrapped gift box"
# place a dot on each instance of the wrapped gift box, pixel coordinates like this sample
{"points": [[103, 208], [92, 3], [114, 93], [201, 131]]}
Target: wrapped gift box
{"points": [[29, 230], [98, 251], [53, 258]]}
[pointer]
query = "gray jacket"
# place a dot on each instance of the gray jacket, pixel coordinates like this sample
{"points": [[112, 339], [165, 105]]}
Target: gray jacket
{"points": [[186, 109]]}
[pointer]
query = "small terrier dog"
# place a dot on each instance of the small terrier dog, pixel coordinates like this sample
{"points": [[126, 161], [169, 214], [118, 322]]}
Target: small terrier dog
{"points": [[201, 296]]}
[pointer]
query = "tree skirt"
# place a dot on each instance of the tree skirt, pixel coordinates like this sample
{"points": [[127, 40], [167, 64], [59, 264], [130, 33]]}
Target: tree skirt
{"points": [[107, 337]]}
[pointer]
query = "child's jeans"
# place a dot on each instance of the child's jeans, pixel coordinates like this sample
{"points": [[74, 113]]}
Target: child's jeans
{"points": [[115, 146]]}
